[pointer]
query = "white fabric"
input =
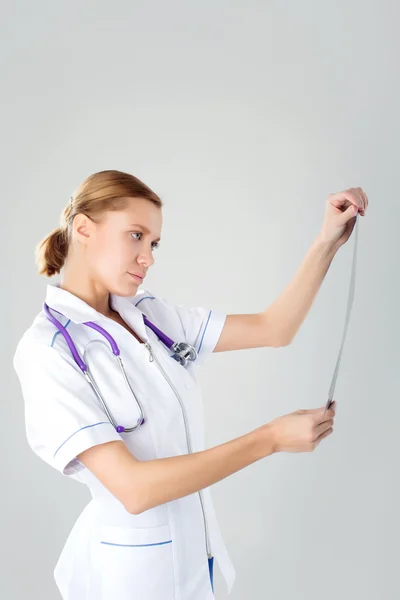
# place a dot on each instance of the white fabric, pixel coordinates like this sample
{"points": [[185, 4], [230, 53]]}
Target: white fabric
{"points": [[102, 558]]}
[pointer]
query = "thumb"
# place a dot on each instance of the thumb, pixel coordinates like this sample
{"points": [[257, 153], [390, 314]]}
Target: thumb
{"points": [[348, 214], [316, 412]]}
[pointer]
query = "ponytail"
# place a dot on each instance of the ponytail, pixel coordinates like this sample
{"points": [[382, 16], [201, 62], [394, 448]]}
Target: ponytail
{"points": [[100, 192], [51, 252]]}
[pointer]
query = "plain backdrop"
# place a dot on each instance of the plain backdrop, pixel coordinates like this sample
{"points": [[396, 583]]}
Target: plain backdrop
{"points": [[243, 116]]}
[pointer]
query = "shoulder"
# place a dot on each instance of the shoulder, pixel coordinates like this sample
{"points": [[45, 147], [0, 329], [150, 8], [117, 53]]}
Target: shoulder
{"points": [[159, 310], [148, 300], [37, 342]]}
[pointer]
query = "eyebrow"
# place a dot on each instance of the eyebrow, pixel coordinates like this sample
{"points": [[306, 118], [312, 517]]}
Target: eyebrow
{"points": [[144, 229]]}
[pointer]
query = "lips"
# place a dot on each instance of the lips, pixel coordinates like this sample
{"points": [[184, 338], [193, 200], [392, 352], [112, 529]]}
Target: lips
{"points": [[137, 276]]}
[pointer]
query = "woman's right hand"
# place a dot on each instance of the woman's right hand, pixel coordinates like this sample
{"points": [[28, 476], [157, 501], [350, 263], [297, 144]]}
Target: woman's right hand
{"points": [[300, 431]]}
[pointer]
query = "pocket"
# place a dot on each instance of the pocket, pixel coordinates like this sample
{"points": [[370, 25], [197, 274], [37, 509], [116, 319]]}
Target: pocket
{"points": [[189, 378], [136, 563], [185, 374]]}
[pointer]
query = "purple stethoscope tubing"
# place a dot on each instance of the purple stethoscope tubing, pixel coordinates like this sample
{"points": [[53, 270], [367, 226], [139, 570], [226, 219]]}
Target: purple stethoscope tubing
{"points": [[183, 353]]}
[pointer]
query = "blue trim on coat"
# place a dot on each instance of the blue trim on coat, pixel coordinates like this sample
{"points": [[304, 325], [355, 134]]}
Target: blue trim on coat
{"points": [[58, 331], [145, 298], [85, 427], [202, 337], [136, 545]]}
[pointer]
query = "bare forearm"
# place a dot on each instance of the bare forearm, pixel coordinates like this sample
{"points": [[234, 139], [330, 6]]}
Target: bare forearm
{"points": [[165, 479], [291, 308]]}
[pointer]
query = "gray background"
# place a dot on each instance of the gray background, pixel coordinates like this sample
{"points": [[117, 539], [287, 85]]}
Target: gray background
{"points": [[243, 117]]}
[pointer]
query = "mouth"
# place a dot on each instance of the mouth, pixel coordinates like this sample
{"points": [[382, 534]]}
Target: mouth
{"points": [[136, 277]]}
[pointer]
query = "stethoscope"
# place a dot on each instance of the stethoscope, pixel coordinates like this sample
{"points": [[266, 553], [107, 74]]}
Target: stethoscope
{"points": [[182, 352]]}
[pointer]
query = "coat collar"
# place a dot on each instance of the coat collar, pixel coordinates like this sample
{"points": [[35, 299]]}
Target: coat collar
{"points": [[79, 311]]}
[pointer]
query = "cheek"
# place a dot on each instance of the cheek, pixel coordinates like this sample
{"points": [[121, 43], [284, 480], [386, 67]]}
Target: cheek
{"points": [[110, 256]]}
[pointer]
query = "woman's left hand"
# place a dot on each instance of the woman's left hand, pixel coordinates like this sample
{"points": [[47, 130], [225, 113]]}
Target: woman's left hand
{"points": [[341, 214]]}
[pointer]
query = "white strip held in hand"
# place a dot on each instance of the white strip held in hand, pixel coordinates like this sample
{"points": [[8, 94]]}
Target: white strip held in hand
{"points": [[349, 307]]}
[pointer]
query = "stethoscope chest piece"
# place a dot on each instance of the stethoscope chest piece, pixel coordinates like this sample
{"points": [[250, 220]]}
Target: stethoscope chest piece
{"points": [[183, 353]]}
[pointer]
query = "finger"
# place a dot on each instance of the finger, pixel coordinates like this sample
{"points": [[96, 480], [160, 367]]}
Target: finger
{"points": [[332, 407], [365, 198], [316, 411], [350, 213], [319, 429], [348, 198], [324, 414], [328, 416], [323, 436], [362, 195], [321, 413], [362, 200]]}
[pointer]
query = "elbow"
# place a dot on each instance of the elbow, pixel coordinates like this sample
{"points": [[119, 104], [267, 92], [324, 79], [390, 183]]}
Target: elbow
{"points": [[282, 343], [138, 505], [137, 501], [133, 510], [136, 509]]}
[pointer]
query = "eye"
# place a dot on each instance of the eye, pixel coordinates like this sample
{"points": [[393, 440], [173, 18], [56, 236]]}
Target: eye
{"points": [[154, 244]]}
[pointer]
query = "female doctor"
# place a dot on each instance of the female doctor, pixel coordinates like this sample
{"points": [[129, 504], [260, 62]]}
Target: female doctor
{"points": [[112, 400]]}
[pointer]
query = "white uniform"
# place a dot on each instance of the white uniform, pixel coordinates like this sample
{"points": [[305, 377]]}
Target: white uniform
{"points": [[159, 554]]}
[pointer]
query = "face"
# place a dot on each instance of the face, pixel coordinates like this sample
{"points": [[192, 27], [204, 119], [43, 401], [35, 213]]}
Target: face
{"points": [[122, 244]]}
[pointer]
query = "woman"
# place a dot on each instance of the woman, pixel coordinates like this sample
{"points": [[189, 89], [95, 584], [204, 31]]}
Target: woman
{"points": [[150, 530]]}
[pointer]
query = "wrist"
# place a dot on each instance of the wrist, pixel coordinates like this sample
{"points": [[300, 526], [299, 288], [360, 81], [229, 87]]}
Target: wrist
{"points": [[328, 248], [264, 441]]}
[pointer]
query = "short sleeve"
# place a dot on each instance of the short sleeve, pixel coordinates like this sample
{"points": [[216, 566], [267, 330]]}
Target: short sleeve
{"points": [[62, 414], [201, 326]]}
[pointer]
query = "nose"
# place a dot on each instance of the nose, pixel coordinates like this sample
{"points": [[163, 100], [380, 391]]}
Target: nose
{"points": [[145, 258]]}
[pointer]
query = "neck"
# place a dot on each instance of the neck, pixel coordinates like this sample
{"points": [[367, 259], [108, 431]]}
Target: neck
{"points": [[86, 289]]}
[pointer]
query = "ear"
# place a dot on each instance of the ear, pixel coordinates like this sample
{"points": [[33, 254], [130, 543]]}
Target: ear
{"points": [[83, 228]]}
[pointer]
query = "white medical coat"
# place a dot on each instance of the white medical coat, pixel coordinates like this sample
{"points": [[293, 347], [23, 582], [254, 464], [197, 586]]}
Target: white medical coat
{"points": [[110, 553]]}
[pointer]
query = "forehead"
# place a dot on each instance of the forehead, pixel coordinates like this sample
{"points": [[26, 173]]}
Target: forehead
{"points": [[138, 211]]}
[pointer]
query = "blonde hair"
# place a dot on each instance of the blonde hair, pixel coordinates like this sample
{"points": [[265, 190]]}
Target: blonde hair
{"points": [[100, 192]]}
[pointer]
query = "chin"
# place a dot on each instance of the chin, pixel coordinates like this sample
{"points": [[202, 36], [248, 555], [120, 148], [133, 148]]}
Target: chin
{"points": [[133, 286], [125, 289]]}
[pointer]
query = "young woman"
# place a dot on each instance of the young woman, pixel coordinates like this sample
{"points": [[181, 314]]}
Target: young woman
{"points": [[111, 401]]}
